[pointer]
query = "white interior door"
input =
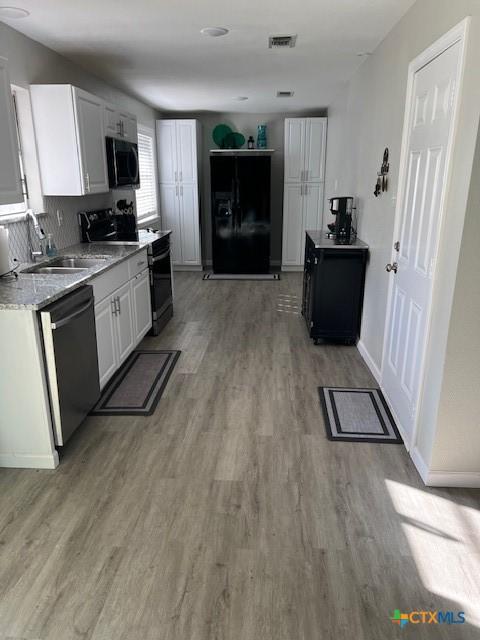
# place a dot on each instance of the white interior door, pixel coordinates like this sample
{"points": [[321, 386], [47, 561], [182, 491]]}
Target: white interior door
{"points": [[432, 106]]}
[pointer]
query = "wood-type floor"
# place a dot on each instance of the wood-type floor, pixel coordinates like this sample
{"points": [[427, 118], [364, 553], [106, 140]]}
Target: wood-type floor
{"points": [[227, 515]]}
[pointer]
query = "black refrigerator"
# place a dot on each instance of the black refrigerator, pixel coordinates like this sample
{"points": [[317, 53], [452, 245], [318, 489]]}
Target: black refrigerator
{"points": [[240, 188]]}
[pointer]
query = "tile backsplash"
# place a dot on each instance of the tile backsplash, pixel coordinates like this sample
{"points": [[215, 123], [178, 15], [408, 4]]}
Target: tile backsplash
{"points": [[65, 234]]}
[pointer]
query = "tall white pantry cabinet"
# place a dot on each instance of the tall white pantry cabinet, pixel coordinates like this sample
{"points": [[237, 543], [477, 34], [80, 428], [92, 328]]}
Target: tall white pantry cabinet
{"points": [[304, 175], [178, 151]]}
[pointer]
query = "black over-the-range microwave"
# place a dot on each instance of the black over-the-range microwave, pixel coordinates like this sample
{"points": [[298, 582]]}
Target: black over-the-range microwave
{"points": [[122, 162]]}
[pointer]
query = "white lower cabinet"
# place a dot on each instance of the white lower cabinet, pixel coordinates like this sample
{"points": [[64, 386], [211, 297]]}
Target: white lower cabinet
{"points": [[124, 322], [123, 315], [142, 316], [106, 340], [302, 211]]}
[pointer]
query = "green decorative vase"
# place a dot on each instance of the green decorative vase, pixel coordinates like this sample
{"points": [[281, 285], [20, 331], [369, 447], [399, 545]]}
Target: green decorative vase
{"points": [[262, 136]]}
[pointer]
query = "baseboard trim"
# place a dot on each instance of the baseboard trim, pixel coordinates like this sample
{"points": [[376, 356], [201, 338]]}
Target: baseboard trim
{"points": [[369, 361], [420, 464], [465, 479], [286, 267], [29, 461], [187, 267]]}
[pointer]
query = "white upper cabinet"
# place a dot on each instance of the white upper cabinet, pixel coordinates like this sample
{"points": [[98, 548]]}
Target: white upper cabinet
{"points": [[10, 179], [305, 141], [178, 155], [91, 137], [70, 133], [305, 146], [120, 124], [294, 149]]}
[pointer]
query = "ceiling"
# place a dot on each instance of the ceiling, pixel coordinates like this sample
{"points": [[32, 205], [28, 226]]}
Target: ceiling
{"points": [[153, 49]]}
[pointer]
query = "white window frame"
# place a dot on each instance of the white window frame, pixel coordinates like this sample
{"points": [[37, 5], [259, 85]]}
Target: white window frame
{"points": [[144, 219], [17, 209], [29, 160]]}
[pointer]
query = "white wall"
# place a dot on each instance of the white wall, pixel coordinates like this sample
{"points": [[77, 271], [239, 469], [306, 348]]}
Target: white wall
{"points": [[364, 119], [245, 123], [29, 63], [457, 439], [367, 117]]}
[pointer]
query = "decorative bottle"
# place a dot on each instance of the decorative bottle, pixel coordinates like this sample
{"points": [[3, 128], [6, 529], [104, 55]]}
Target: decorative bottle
{"points": [[262, 136]]}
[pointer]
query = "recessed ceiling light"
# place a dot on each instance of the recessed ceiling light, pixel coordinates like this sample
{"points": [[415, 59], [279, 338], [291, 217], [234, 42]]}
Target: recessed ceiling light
{"points": [[215, 32], [241, 98], [13, 13]]}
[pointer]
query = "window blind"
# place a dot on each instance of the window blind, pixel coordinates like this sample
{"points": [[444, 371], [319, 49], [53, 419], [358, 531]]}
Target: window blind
{"points": [[146, 195]]}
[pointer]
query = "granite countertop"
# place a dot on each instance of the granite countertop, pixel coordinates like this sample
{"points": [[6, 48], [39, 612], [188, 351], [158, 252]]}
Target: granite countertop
{"points": [[321, 242], [33, 291]]}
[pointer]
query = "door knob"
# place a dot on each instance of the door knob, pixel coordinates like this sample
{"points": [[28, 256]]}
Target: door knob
{"points": [[392, 267]]}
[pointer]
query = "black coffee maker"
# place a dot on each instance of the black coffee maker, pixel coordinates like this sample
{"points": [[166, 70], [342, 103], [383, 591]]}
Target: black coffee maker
{"points": [[342, 209]]}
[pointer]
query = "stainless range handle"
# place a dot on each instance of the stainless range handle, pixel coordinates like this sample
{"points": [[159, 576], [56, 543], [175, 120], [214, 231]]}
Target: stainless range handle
{"points": [[162, 256], [72, 316]]}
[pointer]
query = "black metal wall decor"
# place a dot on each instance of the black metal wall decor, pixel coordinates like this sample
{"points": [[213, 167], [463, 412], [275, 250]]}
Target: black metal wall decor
{"points": [[382, 176]]}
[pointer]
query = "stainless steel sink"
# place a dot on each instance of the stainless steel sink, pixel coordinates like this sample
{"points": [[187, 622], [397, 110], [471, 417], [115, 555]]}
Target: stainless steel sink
{"points": [[54, 270], [83, 263], [64, 266]]}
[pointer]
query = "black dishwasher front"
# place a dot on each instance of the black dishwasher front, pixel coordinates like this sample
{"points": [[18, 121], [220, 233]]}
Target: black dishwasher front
{"points": [[70, 345]]}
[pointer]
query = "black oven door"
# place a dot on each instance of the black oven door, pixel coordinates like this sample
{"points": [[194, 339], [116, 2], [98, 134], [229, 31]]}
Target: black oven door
{"points": [[161, 283]]}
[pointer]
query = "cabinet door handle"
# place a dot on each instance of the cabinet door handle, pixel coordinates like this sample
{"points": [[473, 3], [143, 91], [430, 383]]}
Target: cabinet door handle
{"points": [[114, 306], [119, 306], [181, 190], [176, 190], [87, 183], [176, 176], [181, 176]]}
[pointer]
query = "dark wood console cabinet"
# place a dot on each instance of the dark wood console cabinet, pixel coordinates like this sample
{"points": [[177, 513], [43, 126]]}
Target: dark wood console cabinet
{"points": [[333, 284]]}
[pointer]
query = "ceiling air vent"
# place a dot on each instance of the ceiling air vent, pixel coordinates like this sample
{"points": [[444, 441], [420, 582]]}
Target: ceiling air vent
{"points": [[284, 94], [281, 42]]}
